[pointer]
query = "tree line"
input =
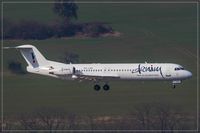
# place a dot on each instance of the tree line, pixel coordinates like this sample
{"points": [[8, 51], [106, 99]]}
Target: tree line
{"points": [[160, 117], [64, 27]]}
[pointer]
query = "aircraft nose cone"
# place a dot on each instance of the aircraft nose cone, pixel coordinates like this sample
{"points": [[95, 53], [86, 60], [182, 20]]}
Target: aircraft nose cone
{"points": [[187, 74]]}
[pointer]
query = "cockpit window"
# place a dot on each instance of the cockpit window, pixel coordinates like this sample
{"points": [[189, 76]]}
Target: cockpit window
{"points": [[178, 68]]}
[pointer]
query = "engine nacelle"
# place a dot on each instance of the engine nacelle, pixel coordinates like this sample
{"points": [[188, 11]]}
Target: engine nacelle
{"points": [[62, 71]]}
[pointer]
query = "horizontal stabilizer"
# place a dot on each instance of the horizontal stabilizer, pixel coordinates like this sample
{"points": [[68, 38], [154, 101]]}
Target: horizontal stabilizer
{"points": [[32, 55]]}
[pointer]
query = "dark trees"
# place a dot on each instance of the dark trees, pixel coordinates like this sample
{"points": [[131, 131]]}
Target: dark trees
{"points": [[71, 57], [16, 67], [27, 30], [67, 9], [64, 27]]}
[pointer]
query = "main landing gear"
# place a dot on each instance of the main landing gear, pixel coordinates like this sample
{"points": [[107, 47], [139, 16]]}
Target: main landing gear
{"points": [[97, 87]]}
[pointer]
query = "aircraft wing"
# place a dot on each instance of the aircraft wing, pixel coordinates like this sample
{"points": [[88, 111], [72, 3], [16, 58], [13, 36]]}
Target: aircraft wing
{"points": [[97, 77]]}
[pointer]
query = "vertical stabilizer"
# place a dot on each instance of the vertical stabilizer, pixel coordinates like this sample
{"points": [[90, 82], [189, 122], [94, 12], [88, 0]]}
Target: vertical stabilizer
{"points": [[32, 56]]}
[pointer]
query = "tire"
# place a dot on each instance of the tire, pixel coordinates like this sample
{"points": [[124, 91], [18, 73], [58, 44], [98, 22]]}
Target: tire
{"points": [[97, 87], [106, 87]]}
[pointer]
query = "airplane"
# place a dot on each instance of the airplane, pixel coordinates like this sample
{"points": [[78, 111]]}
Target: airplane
{"points": [[97, 72]]}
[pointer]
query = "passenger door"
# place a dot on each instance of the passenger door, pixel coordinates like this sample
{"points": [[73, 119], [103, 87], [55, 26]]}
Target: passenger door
{"points": [[167, 73]]}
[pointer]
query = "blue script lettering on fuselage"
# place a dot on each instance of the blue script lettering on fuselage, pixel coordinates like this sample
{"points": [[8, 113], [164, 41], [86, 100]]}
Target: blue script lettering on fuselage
{"points": [[151, 68]]}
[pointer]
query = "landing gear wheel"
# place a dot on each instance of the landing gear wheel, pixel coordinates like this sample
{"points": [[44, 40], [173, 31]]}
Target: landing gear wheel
{"points": [[97, 87], [106, 87], [174, 86]]}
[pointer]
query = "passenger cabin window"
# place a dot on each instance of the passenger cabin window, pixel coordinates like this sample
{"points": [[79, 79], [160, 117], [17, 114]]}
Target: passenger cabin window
{"points": [[178, 68]]}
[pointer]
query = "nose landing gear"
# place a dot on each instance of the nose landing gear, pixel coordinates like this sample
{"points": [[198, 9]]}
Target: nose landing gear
{"points": [[175, 82]]}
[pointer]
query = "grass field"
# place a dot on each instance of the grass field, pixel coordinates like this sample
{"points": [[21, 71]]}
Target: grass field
{"points": [[149, 32]]}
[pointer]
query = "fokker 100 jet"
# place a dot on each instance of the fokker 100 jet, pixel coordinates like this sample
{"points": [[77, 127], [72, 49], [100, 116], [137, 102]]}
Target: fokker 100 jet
{"points": [[97, 72]]}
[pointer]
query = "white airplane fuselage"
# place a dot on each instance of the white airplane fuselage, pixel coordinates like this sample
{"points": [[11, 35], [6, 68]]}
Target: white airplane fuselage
{"points": [[134, 71], [38, 64]]}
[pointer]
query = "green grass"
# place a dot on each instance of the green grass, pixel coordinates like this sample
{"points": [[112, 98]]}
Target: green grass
{"points": [[150, 32]]}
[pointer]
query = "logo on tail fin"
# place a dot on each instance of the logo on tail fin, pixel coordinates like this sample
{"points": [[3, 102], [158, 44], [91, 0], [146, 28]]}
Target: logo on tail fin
{"points": [[33, 57]]}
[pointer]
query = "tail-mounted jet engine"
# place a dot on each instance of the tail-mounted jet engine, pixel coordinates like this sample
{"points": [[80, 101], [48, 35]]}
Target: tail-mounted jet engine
{"points": [[63, 71]]}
